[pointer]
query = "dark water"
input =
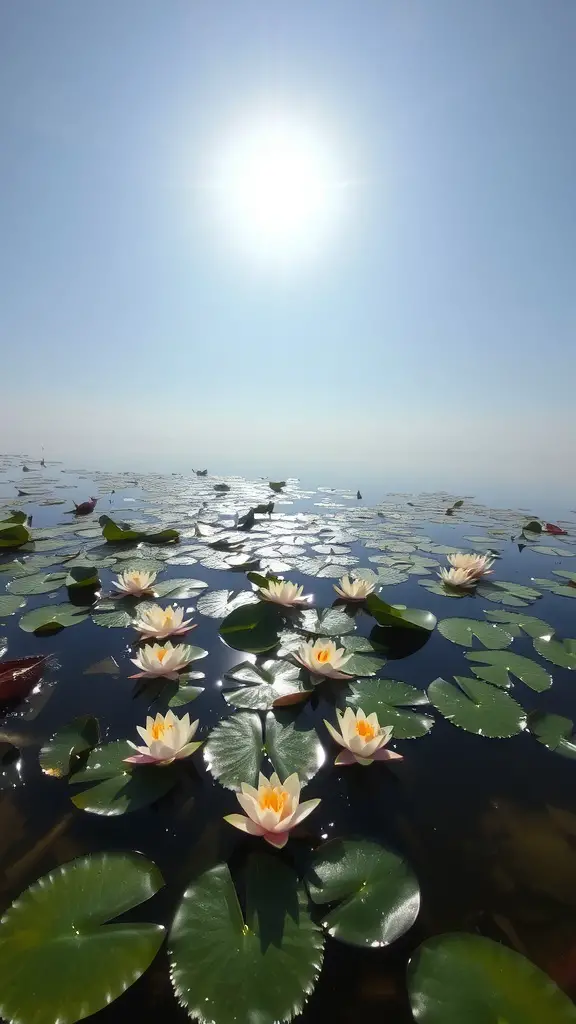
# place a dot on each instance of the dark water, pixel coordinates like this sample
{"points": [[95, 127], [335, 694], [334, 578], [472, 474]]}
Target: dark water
{"points": [[489, 826]]}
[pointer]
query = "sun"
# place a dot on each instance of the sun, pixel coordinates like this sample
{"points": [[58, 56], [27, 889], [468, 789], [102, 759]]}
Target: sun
{"points": [[277, 192]]}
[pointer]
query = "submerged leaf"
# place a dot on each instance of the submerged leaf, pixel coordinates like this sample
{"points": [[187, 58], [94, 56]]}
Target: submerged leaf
{"points": [[63, 752]]}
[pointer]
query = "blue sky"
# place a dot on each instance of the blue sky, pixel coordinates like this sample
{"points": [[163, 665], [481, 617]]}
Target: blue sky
{"points": [[430, 344]]}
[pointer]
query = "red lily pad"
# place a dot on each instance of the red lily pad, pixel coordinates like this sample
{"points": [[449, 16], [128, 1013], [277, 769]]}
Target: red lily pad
{"points": [[19, 676], [556, 530]]}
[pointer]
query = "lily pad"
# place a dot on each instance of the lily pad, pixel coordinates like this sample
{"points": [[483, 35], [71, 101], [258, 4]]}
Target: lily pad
{"points": [[36, 584], [119, 612], [113, 787], [326, 622], [52, 618], [275, 683], [217, 604], [10, 603], [82, 576], [234, 749], [463, 631], [376, 892], [293, 746], [59, 960], [69, 746], [122, 533], [390, 699], [559, 652], [496, 665], [477, 707], [444, 590], [501, 592], [104, 667], [360, 665], [528, 623], [458, 977], [184, 695], [398, 615], [226, 969], [253, 628], [549, 549], [179, 588], [554, 731], [555, 587]]}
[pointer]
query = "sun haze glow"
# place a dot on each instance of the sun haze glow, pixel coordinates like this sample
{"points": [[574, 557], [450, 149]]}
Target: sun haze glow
{"points": [[277, 193]]}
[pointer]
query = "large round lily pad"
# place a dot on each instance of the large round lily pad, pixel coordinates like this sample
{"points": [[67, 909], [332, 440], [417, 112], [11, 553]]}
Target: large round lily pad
{"points": [[463, 631], [253, 628], [457, 977], [477, 707], [234, 749], [52, 618], [376, 891], [59, 960], [226, 969], [495, 666], [391, 701]]}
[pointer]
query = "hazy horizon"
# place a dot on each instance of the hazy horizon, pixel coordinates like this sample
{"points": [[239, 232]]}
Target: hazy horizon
{"points": [[411, 316]]}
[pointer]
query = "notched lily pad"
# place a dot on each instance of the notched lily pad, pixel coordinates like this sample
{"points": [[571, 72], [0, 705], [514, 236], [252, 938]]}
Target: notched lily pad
{"points": [[477, 707], [112, 787], [495, 666], [391, 700], [463, 631]]}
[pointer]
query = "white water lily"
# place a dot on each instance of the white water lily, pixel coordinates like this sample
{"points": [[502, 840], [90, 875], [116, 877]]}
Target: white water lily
{"points": [[353, 590], [283, 592], [165, 661], [158, 622], [273, 809], [362, 737], [134, 582], [167, 738], [323, 658], [457, 578], [475, 565]]}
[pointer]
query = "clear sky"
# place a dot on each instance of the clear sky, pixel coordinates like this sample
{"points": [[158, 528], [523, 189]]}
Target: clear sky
{"points": [[431, 339]]}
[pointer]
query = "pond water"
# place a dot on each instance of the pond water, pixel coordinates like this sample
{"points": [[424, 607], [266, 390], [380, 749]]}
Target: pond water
{"points": [[487, 825]]}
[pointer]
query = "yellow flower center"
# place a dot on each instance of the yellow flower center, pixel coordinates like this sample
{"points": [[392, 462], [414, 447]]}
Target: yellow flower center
{"points": [[158, 729], [271, 799], [162, 654], [365, 730], [323, 656], [168, 615]]}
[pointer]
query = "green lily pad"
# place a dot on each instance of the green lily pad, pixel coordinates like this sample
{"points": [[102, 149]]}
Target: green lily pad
{"points": [[559, 652], [253, 628], [376, 891], [14, 535], [495, 666], [275, 683], [217, 604], [528, 623], [457, 977], [118, 613], [36, 584], [82, 576], [10, 603], [184, 695], [104, 667], [326, 622], [555, 587], [293, 746], [398, 615], [554, 731], [445, 590], [227, 970], [121, 533], [179, 588], [59, 960], [512, 594], [234, 749], [571, 576], [463, 631], [390, 699], [69, 746], [549, 549], [477, 707], [113, 787], [52, 618]]}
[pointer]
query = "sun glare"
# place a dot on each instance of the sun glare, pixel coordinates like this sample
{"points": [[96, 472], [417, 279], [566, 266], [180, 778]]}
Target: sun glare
{"points": [[277, 191]]}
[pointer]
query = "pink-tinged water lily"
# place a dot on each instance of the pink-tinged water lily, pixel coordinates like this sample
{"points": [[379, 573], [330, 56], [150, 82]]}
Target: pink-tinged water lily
{"points": [[165, 661], [283, 592], [475, 565], [323, 658], [353, 590], [167, 738], [273, 809], [157, 623], [457, 578], [134, 582], [362, 737]]}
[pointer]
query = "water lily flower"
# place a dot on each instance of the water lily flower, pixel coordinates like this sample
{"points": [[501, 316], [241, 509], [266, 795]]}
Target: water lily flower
{"points": [[362, 737], [283, 592], [134, 583], [157, 622], [353, 590], [167, 739], [323, 658], [457, 578], [273, 809], [164, 661], [475, 565]]}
